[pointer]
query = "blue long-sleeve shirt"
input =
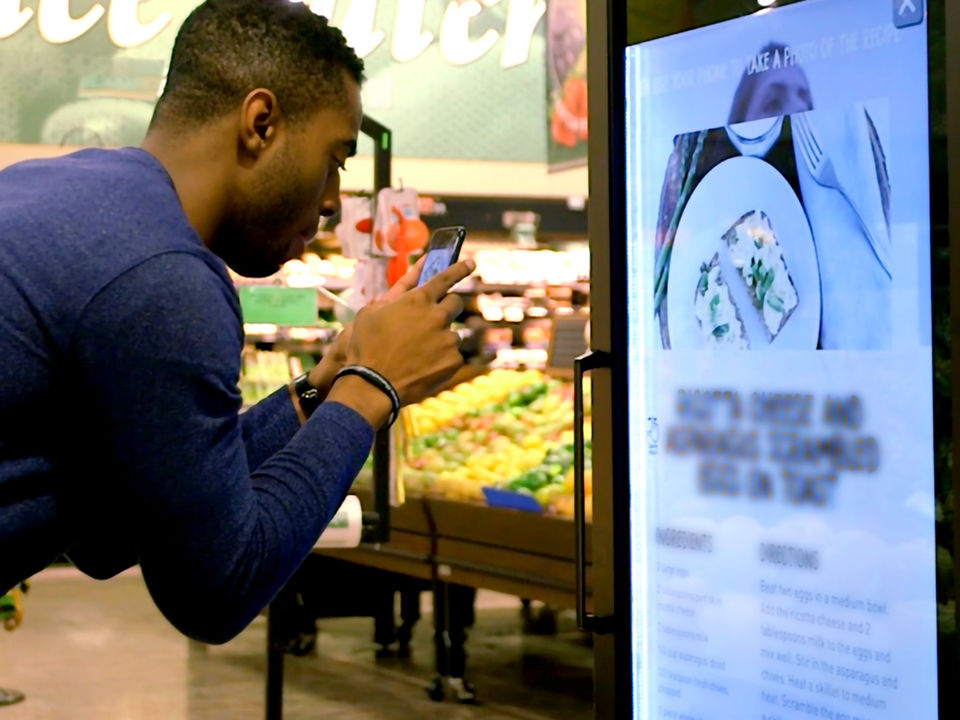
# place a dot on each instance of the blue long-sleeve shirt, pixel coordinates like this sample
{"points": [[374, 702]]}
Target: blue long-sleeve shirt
{"points": [[121, 437]]}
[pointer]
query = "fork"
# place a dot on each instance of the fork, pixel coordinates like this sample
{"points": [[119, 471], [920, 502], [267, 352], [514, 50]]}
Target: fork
{"points": [[821, 169]]}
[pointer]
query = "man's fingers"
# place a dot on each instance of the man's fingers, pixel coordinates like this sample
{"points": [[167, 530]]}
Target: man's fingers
{"points": [[452, 306], [342, 341], [456, 339], [440, 285], [407, 282]]}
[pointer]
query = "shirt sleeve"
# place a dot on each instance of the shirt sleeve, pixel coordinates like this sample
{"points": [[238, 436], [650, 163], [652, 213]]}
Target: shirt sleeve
{"points": [[158, 354], [266, 429], [268, 426]]}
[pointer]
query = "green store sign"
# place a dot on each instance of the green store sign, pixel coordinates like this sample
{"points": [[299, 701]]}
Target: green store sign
{"points": [[457, 79]]}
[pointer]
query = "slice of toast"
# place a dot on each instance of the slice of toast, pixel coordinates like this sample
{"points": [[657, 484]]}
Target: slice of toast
{"points": [[716, 313], [758, 256]]}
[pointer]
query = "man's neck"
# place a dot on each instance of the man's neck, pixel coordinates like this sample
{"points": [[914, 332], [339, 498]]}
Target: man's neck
{"points": [[196, 165]]}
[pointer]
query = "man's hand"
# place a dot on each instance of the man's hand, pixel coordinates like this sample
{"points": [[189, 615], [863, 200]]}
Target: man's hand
{"points": [[407, 282], [321, 377], [407, 339]]}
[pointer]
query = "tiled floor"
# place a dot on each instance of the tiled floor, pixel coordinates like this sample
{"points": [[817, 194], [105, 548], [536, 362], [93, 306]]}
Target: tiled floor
{"points": [[101, 650]]}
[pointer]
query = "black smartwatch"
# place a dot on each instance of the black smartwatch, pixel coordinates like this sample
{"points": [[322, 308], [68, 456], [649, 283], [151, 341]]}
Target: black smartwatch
{"points": [[307, 395]]}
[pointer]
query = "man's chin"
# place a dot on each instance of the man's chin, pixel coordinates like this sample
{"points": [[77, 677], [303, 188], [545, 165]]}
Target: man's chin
{"points": [[249, 270], [249, 265]]}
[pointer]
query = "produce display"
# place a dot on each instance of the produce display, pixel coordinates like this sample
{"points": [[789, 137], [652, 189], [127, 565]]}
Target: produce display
{"points": [[532, 267], [262, 372], [510, 430], [309, 271]]}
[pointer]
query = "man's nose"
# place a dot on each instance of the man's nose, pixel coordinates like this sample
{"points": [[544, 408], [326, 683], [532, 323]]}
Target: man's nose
{"points": [[330, 202]]}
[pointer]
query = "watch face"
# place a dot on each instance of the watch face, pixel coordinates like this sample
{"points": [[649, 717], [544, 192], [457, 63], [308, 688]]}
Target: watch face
{"points": [[307, 394]]}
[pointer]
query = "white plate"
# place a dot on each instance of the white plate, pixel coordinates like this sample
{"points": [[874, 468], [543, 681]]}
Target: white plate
{"points": [[732, 189], [755, 137]]}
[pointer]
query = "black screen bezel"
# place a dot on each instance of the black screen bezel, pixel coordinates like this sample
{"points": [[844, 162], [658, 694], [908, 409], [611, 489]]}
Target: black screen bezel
{"points": [[445, 237], [441, 239], [944, 75]]}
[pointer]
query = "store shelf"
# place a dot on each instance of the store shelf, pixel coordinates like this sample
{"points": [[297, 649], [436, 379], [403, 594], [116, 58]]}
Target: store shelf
{"points": [[406, 553], [533, 533], [482, 287], [411, 547], [522, 554], [311, 338], [526, 575], [296, 346]]}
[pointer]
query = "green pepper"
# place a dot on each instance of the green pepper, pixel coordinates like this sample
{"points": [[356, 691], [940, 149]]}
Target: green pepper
{"points": [[765, 285], [515, 484], [704, 282], [527, 479], [721, 330], [540, 478]]}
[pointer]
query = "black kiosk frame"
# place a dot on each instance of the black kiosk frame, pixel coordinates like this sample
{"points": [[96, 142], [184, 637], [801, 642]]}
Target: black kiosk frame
{"points": [[613, 25]]}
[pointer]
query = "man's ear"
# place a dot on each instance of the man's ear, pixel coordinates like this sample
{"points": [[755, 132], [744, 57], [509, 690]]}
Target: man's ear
{"points": [[260, 118]]}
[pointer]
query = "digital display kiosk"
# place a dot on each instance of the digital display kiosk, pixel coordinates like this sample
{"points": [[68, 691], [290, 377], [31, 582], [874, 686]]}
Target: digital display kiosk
{"points": [[773, 299]]}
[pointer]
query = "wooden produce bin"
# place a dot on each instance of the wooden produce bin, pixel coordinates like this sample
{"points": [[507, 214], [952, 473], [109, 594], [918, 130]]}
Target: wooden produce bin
{"points": [[518, 553], [510, 551], [410, 549]]}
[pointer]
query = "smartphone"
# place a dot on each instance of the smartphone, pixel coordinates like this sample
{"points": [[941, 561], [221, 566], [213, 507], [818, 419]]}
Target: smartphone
{"points": [[442, 251]]}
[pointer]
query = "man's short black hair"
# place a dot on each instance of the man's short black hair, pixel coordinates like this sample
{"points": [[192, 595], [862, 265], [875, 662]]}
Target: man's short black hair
{"points": [[226, 48]]}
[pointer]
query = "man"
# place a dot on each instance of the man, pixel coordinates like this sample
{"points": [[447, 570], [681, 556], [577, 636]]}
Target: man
{"points": [[120, 331]]}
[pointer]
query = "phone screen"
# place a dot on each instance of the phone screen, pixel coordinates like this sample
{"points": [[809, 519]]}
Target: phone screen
{"points": [[442, 251]]}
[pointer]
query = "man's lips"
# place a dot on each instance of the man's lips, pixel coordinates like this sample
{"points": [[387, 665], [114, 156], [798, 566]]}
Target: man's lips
{"points": [[298, 246]]}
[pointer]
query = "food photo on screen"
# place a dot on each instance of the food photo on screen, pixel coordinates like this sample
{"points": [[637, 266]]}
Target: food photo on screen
{"points": [[437, 261], [774, 230]]}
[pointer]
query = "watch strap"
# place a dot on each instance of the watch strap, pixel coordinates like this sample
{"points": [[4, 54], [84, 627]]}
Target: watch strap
{"points": [[307, 395]]}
